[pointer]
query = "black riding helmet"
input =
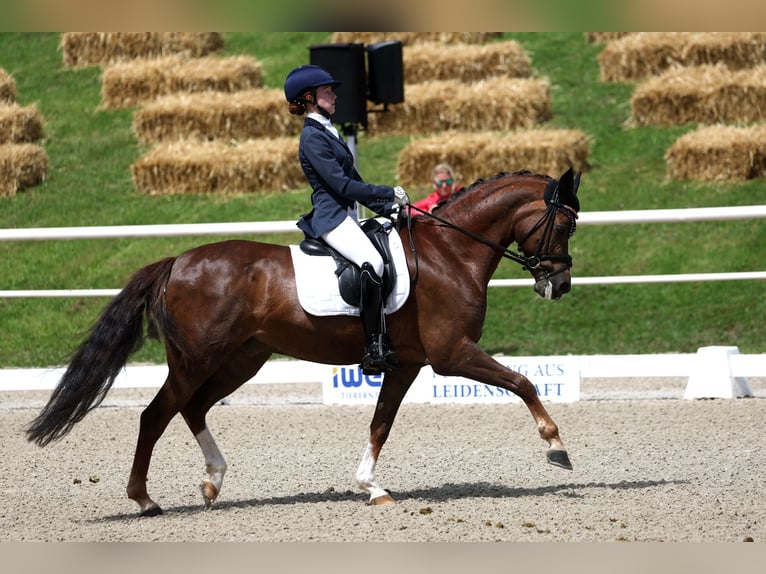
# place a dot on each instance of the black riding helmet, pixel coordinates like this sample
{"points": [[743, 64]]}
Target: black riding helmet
{"points": [[307, 77]]}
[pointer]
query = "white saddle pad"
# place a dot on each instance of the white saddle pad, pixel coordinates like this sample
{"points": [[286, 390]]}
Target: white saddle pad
{"points": [[318, 289]]}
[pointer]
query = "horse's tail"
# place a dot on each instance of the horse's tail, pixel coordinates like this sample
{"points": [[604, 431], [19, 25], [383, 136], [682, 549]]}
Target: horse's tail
{"points": [[118, 333]]}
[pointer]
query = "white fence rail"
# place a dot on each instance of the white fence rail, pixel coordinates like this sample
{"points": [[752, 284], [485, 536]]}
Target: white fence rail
{"points": [[273, 227]]}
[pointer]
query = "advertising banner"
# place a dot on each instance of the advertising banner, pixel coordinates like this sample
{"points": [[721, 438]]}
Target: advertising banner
{"points": [[556, 379]]}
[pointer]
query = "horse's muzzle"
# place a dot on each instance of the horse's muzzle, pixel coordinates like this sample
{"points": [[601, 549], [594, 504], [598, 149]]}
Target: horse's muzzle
{"points": [[552, 287]]}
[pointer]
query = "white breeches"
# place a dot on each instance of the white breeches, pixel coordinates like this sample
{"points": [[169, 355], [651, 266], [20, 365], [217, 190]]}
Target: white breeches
{"points": [[349, 239]]}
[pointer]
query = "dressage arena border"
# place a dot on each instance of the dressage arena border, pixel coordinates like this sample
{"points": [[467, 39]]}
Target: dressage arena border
{"points": [[248, 114], [20, 124], [644, 54], [712, 372], [719, 153], [471, 155], [21, 166], [493, 105], [464, 62], [81, 49], [218, 167], [7, 88], [133, 83], [701, 94], [409, 38]]}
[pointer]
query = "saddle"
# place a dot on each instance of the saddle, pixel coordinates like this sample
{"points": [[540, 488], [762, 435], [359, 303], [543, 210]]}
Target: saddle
{"points": [[348, 273]]}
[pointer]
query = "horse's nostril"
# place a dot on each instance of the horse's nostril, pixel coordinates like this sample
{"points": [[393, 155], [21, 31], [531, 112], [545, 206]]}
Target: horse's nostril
{"points": [[565, 287]]}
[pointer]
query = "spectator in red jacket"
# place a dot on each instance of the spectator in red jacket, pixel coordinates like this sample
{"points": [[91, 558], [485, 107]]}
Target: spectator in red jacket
{"points": [[443, 181]]}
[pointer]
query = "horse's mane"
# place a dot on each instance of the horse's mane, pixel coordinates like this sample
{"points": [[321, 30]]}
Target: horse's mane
{"points": [[481, 181]]}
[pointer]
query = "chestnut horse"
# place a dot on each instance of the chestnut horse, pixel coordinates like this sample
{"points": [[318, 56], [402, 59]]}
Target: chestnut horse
{"points": [[224, 308]]}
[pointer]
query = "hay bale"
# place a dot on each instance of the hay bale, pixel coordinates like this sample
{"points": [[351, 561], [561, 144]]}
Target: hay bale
{"points": [[217, 167], [213, 115], [604, 37], [719, 153], [647, 54], [464, 62], [21, 166], [496, 104], [704, 94], [81, 49], [134, 83], [409, 38], [7, 88], [20, 124], [480, 154]]}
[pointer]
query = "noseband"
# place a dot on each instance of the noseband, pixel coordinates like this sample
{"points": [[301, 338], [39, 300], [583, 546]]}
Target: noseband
{"points": [[528, 263]]}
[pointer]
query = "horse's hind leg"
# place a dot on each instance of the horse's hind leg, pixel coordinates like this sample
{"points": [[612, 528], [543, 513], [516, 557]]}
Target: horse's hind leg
{"points": [[154, 421], [221, 384], [395, 386]]}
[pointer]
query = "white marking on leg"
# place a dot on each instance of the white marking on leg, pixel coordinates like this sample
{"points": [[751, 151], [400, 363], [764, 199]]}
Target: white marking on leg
{"points": [[215, 465], [365, 475]]}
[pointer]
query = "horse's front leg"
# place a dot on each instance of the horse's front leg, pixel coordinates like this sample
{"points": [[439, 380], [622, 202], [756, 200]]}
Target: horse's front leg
{"points": [[477, 365], [392, 391]]}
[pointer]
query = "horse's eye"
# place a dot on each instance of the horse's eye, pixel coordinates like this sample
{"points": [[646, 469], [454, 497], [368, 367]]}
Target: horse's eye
{"points": [[560, 229]]}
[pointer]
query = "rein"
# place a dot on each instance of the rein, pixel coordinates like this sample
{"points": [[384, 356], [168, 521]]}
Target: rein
{"points": [[527, 262]]}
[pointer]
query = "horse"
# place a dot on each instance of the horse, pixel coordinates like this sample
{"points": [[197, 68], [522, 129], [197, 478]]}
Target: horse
{"points": [[222, 309]]}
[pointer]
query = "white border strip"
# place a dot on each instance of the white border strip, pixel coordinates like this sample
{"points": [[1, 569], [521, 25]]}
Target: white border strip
{"points": [[280, 371]]}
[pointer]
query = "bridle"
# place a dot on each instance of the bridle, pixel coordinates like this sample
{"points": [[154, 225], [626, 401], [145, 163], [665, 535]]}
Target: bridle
{"points": [[528, 263]]}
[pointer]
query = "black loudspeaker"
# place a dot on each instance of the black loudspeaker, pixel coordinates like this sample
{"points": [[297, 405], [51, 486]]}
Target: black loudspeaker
{"points": [[386, 72], [345, 62]]}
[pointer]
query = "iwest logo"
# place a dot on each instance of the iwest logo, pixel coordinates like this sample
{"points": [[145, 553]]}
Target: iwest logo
{"points": [[353, 378]]}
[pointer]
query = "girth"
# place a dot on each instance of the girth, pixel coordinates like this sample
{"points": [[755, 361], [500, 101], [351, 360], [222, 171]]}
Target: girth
{"points": [[348, 273]]}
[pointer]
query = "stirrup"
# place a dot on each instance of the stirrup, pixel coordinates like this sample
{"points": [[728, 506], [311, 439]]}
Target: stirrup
{"points": [[379, 356]]}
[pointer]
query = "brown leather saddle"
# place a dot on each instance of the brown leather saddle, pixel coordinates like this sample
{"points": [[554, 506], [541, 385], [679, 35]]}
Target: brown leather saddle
{"points": [[349, 274]]}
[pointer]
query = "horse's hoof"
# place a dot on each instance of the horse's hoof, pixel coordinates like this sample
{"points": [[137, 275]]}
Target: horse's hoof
{"points": [[209, 493], [152, 511], [382, 500], [559, 458]]}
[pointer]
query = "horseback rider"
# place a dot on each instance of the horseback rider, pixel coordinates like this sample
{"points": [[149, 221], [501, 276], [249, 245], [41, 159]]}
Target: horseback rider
{"points": [[337, 186]]}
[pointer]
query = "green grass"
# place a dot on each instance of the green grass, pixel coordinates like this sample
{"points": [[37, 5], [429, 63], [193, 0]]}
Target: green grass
{"points": [[90, 152]]}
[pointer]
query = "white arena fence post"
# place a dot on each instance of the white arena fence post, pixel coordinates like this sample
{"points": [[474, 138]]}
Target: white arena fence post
{"points": [[712, 378]]}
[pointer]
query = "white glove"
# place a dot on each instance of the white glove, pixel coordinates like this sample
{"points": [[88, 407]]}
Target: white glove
{"points": [[400, 197]]}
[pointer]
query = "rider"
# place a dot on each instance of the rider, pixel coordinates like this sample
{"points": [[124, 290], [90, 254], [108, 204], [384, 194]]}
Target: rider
{"points": [[337, 186]]}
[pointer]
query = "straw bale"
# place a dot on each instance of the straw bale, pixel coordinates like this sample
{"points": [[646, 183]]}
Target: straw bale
{"points": [[604, 37], [409, 38], [464, 62], [221, 168], [719, 153], [481, 154], [214, 115], [21, 166], [704, 94], [495, 104], [646, 54], [133, 83], [20, 124], [81, 49], [7, 88]]}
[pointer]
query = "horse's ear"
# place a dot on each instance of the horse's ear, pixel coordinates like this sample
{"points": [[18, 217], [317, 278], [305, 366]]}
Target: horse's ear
{"points": [[567, 178], [568, 186], [551, 192]]}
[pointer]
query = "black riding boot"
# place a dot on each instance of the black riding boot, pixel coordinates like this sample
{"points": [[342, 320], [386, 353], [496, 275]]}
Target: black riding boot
{"points": [[379, 355]]}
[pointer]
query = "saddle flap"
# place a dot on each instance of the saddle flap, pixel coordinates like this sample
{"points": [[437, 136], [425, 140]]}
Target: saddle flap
{"points": [[349, 274]]}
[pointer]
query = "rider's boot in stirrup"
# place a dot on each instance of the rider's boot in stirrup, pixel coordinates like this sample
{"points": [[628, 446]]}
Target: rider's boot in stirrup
{"points": [[379, 354]]}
